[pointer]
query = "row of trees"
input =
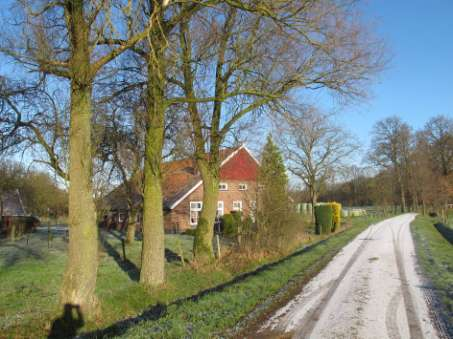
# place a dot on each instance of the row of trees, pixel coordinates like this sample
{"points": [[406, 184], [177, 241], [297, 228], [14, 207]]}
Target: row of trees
{"points": [[420, 162], [101, 91], [411, 169]]}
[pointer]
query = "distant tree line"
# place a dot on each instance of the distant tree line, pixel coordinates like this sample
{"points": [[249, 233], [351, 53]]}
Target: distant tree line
{"points": [[39, 193], [410, 169]]}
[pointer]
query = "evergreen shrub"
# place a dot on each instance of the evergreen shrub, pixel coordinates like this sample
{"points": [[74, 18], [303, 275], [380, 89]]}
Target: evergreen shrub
{"points": [[324, 219]]}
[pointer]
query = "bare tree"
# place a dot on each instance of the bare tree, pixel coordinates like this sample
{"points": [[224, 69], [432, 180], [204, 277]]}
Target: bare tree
{"points": [[438, 133], [252, 60], [35, 119], [122, 146], [62, 39], [315, 148], [432, 163], [390, 149]]}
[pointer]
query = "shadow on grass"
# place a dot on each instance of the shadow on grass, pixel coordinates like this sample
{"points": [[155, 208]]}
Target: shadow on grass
{"points": [[67, 325], [171, 256], [125, 264], [159, 310], [18, 253], [446, 232]]}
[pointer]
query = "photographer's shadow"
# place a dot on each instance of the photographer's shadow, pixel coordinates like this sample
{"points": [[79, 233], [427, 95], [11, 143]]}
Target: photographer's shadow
{"points": [[67, 325]]}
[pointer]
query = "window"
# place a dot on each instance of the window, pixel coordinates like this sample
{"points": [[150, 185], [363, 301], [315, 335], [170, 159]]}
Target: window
{"points": [[220, 208], [223, 186], [237, 205], [195, 209], [242, 187]]}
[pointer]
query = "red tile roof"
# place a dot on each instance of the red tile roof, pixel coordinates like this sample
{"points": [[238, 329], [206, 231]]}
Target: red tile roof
{"points": [[181, 176]]}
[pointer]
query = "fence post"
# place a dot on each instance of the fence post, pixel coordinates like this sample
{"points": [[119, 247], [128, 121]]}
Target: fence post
{"points": [[48, 234], [218, 245]]}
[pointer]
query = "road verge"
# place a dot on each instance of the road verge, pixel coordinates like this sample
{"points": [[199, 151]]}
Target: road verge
{"points": [[226, 309], [435, 257]]}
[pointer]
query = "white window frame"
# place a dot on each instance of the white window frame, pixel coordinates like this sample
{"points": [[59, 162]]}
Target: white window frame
{"points": [[237, 202], [225, 186], [197, 209], [220, 208], [243, 188]]}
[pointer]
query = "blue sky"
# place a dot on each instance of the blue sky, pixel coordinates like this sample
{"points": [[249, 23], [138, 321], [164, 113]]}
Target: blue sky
{"points": [[418, 81]]}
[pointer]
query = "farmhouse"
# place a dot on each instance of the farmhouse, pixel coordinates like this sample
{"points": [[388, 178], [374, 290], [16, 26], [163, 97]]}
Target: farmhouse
{"points": [[183, 189]]}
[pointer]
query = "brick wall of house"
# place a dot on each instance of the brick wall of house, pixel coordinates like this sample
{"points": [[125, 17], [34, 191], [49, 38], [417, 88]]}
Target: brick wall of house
{"points": [[177, 220]]}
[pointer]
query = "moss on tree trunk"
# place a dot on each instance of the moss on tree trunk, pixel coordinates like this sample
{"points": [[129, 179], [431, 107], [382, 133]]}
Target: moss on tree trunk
{"points": [[81, 270], [79, 281], [202, 248], [153, 250]]}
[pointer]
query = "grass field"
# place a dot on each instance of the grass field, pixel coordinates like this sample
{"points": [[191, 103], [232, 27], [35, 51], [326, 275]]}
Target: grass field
{"points": [[30, 276], [435, 255]]}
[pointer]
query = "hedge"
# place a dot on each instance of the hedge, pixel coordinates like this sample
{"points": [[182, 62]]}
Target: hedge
{"points": [[324, 219], [336, 210]]}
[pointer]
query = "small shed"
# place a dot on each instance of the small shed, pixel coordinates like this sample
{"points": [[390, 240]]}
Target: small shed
{"points": [[14, 219]]}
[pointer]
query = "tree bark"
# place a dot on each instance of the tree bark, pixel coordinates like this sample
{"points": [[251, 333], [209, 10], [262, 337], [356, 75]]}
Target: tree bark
{"points": [[131, 225], [314, 201], [402, 196], [81, 270], [153, 250], [202, 247], [79, 281]]}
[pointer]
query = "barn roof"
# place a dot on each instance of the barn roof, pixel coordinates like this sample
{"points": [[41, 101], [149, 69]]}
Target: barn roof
{"points": [[180, 178], [12, 203]]}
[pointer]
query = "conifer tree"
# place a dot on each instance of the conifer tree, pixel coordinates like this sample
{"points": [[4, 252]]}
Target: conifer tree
{"points": [[273, 204]]}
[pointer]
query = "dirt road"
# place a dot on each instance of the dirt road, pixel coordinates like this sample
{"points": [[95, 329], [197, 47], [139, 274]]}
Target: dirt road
{"points": [[371, 289]]}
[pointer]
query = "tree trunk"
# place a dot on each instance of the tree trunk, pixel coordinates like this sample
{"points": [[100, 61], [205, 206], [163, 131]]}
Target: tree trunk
{"points": [[81, 270], [402, 192], [153, 250], [314, 201], [403, 199], [79, 281], [131, 225], [202, 246], [12, 230]]}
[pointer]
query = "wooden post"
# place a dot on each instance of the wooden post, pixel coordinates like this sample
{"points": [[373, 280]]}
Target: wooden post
{"points": [[218, 245], [181, 253], [48, 234]]}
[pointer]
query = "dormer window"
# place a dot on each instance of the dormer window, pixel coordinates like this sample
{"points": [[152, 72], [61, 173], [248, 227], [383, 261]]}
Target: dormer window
{"points": [[223, 186], [242, 187]]}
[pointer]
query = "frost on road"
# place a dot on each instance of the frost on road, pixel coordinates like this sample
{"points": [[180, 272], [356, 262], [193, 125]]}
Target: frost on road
{"points": [[371, 289]]}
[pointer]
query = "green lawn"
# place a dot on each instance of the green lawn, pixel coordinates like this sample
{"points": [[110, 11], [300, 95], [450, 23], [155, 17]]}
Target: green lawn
{"points": [[435, 255], [30, 276], [450, 218]]}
